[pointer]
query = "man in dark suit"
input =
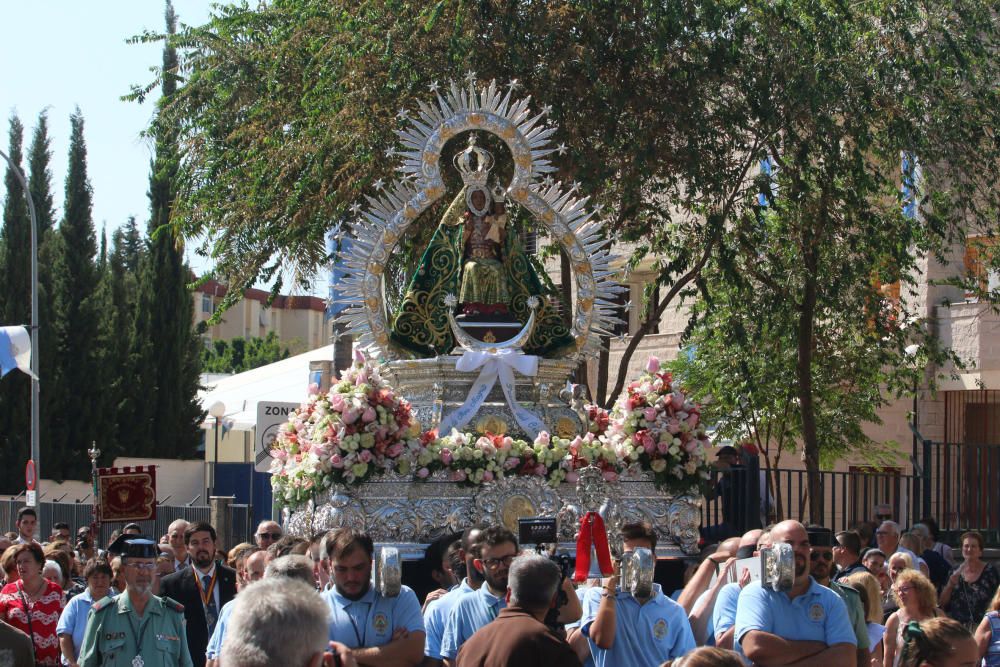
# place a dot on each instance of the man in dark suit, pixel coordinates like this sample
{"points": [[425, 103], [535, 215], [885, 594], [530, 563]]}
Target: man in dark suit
{"points": [[202, 587]]}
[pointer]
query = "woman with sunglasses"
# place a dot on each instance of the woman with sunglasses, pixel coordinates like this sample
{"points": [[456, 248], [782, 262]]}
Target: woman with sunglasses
{"points": [[917, 601]]}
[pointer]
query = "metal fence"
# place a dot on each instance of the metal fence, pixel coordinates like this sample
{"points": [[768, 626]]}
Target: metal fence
{"points": [[764, 496], [81, 514], [964, 493], [956, 484]]}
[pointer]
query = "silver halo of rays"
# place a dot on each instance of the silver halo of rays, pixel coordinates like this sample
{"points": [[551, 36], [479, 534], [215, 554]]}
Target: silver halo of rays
{"points": [[377, 227]]}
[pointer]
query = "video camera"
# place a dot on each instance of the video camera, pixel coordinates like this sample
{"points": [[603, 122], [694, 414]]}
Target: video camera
{"points": [[542, 531]]}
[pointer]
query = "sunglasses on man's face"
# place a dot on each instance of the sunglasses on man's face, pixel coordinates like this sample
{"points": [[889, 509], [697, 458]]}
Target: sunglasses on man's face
{"points": [[273, 536], [825, 555]]}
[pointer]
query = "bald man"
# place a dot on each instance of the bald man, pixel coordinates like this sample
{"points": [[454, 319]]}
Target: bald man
{"points": [[807, 624], [175, 537]]}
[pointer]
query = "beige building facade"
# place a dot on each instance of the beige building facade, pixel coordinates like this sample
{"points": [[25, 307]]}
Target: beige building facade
{"points": [[299, 321]]}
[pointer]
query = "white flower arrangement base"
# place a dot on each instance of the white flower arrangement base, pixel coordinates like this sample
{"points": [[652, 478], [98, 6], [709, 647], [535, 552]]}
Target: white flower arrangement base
{"points": [[398, 511]]}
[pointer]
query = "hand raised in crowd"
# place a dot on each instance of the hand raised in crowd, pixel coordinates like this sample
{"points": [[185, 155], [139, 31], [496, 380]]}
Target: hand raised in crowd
{"points": [[433, 595], [339, 656], [744, 577]]}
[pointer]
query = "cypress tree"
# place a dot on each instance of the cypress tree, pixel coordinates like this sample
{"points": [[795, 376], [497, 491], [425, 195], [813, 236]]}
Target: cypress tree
{"points": [[165, 347], [78, 393], [15, 309], [40, 186]]}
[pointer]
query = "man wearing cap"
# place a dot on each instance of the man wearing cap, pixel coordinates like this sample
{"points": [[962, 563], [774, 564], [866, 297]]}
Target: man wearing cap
{"points": [[731, 492], [821, 568], [136, 628], [203, 589]]}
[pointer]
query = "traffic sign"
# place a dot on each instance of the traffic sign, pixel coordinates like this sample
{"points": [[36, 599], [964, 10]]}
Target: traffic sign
{"points": [[270, 416], [29, 475]]}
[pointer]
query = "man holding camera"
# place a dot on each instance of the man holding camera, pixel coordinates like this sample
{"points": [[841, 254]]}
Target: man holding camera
{"points": [[379, 630], [807, 624], [624, 630], [519, 635]]}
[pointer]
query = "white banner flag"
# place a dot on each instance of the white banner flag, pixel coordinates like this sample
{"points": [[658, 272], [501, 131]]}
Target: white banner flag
{"points": [[15, 350]]}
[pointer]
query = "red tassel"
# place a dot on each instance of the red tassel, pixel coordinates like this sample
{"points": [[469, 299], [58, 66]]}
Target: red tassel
{"points": [[592, 533]]}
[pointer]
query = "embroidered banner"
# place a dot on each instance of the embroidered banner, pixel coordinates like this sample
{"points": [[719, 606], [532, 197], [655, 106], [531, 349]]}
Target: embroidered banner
{"points": [[127, 494]]}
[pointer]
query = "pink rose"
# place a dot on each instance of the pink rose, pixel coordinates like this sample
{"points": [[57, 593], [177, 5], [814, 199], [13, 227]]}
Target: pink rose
{"points": [[677, 400], [337, 461], [359, 356], [610, 475], [692, 419], [572, 477], [662, 447], [423, 473], [369, 415], [313, 388], [674, 427], [540, 470], [653, 365], [351, 416], [487, 476], [543, 439], [446, 456], [512, 463], [365, 455], [337, 402], [457, 475], [394, 451], [691, 446], [649, 414]]}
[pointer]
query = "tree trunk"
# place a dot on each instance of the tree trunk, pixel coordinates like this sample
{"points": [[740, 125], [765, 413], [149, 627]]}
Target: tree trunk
{"points": [[810, 441], [654, 316]]}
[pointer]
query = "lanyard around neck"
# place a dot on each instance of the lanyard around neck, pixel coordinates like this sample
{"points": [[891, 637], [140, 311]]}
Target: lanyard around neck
{"points": [[206, 596]]}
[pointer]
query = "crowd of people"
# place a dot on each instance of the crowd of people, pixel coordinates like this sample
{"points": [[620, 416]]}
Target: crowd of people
{"points": [[877, 597]]}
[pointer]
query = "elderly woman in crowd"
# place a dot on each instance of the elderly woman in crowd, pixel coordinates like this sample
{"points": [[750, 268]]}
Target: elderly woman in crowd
{"points": [[33, 604], [971, 585], [917, 601], [898, 562], [73, 621]]}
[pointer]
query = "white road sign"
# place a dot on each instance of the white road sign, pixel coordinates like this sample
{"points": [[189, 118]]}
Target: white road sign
{"points": [[270, 417]]}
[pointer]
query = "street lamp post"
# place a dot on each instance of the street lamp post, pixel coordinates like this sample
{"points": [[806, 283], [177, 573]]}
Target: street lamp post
{"points": [[35, 453], [218, 411]]}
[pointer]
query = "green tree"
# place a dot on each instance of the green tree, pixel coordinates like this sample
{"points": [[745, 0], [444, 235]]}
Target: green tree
{"points": [[165, 348], [118, 295], [242, 354], [76, 421], [15, 305], [668, 110]]}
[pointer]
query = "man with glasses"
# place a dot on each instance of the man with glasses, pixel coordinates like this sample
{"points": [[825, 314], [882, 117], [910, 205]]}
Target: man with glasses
{"points": [[808, 623], [379, 630], [136, 628], [497, 550], [268, 532], [821, 568]]}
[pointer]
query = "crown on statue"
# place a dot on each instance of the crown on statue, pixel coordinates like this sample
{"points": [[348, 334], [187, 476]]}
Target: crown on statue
{"points": [[474, 164]]}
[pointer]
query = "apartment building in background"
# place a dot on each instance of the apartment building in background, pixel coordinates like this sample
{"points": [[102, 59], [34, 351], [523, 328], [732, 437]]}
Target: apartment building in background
{"points": [[299, 321]]}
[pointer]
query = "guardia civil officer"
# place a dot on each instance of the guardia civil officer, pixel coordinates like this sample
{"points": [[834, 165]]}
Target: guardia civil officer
{"points": [[136, 628]]}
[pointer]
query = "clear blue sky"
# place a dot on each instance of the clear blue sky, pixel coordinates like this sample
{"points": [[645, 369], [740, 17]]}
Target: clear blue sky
{"points": [[60, 54]]}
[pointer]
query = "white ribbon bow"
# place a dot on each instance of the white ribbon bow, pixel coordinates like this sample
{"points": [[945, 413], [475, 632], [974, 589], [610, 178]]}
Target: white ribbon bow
{"points": [[496, 365]]}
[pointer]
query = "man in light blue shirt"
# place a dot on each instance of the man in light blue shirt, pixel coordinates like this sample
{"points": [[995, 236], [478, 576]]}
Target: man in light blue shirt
{"points": [[255, 566], [625, 631], [497, 549], [436, 613], [724, 613], [378, 630], [807, 623]]}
